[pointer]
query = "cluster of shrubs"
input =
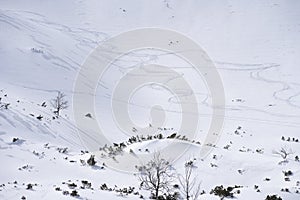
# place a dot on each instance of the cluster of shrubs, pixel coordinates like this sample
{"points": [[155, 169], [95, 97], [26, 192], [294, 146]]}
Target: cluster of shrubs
{"points": [[40, 155], [62, 149], [285, 190], [29, 186], [289, 139], [260, 151], [288, 190], [74, 193], [118, 148], [121, 191], [287, 175], [140, 138], [239, 131], [35, 50], [256, 187], [273, 197], [223, 192], [90, 161], [112, 151], [167, 196]]}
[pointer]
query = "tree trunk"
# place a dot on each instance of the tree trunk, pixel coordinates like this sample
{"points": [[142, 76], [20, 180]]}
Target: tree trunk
{"points": [[156, 193]]}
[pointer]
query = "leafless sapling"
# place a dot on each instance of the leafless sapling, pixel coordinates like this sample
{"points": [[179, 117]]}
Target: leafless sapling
{"points": [[284, 152], [59, 103], [190, 187]]}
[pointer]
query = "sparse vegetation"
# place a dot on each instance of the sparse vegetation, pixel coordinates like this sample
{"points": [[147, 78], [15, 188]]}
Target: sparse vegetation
{"points": [[289, 139], [273, 197], [223, 192], [170, 187], [121, 191]]}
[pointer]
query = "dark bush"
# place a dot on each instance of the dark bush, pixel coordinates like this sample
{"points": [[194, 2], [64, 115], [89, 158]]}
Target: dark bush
{"points": [[172, 136], [29, 186], [91, 161], [223, 192], [288, 173], [103, 187], [273, 197], [74, 193], [173, 196]]}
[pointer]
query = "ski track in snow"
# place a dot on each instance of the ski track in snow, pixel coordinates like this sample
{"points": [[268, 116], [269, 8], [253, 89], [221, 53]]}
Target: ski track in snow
{"points": [[34, 20]]}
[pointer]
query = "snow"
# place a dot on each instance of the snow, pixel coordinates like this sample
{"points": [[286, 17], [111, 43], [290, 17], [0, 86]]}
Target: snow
{"points": [[255, 48]]}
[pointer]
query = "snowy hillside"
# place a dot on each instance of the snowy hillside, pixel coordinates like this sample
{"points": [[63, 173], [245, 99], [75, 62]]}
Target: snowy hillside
{"points": [[47, 155]]}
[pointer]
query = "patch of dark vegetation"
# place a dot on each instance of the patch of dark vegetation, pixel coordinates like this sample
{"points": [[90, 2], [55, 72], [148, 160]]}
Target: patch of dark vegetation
{"points": [[289, 139], [273, 197], [29, 186], [223, 192], [26, 167], [86, 185], [118, 148], [40, 117], [287, 173], [72, 185], [89, 115], [17, 141], [91, 161], [62, 149], [167, 196], [123, 191], [74, 193], [285, 190], [40, 155]]}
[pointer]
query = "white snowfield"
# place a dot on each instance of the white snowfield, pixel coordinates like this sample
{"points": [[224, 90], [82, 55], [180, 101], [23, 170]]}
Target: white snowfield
{"points": [[254, 45]]}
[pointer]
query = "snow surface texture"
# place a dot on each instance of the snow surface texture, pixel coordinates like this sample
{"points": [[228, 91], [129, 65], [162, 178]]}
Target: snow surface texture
{"points": [[255, 48]]}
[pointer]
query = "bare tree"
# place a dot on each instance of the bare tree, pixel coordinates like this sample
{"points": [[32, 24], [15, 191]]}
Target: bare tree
{"points": [[156, 175], [190, 188], [283, 152], [59, 103]]}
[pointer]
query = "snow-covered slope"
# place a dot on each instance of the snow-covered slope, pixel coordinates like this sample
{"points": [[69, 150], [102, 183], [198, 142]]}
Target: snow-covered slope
{"points": [[254, 46]]}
